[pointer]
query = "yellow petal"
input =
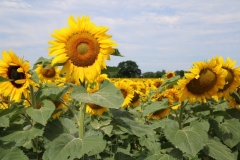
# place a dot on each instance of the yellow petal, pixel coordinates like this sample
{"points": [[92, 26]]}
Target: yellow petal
{"points": [[61, 58], [20, 81]]}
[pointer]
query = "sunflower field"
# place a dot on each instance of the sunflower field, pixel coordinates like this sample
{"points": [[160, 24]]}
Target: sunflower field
{"points": [[65, 108]]}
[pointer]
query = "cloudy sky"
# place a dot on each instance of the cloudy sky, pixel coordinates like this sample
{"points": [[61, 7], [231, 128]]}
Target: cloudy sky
{"points": [[156, 34]]}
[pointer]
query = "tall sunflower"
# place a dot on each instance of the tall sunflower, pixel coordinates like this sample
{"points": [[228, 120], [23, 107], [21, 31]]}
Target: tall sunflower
{"points": [[47, 75], [169, 74], [232, 79], [83, 48], [203, 81], [13, 68]]}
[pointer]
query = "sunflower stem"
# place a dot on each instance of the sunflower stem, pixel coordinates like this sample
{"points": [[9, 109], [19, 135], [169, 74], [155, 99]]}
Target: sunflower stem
{"points": [[81, 120], [181, 116], [34, 105]]}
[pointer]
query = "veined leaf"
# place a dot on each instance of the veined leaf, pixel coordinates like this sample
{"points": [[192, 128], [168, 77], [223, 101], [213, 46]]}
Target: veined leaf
{"points": [[155, 106], [121, 156], [4, 121], [158, 157], [107, 96], [17, 134], [59, 126], [188, 139], [228, 131], [12, 153], [66, 146], [117, 53], [42, 114], [218, 151], [134, 127]]}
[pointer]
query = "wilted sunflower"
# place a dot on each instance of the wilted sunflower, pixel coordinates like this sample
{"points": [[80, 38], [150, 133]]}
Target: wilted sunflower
{"points": [[83, 48], [13, 68], [232, 79], [126, 91], [203, 81], [47, 75]]}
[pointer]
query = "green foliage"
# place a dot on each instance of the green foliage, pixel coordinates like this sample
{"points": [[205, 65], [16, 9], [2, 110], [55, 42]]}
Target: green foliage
{"points": [[128, 69], [107, 96]]}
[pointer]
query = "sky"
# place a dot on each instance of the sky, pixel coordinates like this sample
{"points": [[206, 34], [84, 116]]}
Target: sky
{"points": [[156, 34]]}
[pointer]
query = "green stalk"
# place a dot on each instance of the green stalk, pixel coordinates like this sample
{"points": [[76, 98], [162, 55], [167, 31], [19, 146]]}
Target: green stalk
{"points": [[181, 116], [34, 105], [81, 120]]}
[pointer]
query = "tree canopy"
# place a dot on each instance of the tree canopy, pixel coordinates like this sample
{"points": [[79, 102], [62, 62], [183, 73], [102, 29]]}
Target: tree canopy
{"points": [[128, 69]]}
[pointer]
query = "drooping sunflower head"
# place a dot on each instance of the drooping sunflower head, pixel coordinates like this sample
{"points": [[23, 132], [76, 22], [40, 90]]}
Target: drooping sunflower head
{"points": [[94, 109], [3, 102], [83, 48], [48, 74], [203, 81], [13, 68], [234, 103], [232, 80]]}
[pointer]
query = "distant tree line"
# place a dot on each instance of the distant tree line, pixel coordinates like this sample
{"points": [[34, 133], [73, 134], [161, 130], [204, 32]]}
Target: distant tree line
{"points": [[129, 69]]}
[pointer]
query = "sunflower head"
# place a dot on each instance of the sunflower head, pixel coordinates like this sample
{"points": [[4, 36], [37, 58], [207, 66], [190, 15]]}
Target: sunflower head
{"points": [[15, 69], [202, 82], [47, 74], [83, 48], [170, 74], [159, 114]]}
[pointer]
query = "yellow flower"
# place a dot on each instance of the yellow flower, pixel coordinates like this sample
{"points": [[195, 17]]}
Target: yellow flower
{"points": [[169, 75], [203, 81], [126, 91], [232, 79], [60, 106], [47, 75], [13, 68], [83, 48]]}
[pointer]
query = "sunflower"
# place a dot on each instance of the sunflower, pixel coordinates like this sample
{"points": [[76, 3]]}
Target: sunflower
{"points": [[13, 68], [232, 79], [83, 48], [169, 74], [47, 75], [159, 114], [202, 82], [126, 91]]}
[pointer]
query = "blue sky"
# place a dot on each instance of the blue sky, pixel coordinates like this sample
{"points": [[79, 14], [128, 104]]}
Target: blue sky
{"points": [[156, 34]]}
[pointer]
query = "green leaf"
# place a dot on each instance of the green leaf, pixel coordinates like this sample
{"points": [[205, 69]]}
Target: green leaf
{"points": [[176, 154], [59, 126], [228, 131], [2, 79], [42, 114], [43, 61], [19, 134], [169, 82], [117, 53], [188, 140], [12, 153], [158, 157], [152, 146], [108, 95], [134, 127], [4, 121], [51, 91], [155, 106], [218, 151], [66, 146], [121, 156]]}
